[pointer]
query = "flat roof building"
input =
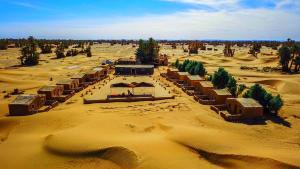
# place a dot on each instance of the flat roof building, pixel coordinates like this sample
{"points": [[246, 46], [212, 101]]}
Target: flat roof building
{"points": [[81, 77], [26, 105], [219, 95], [246, 108], [134, 69], [125, 61], [182, 76], [51, 92], [203, 87], [192, 80], [172, 73], [70, 85]]}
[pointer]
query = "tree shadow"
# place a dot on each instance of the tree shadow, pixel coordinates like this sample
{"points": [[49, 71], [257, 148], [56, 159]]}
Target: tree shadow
{"points": [[278, 120], [262, 121]]}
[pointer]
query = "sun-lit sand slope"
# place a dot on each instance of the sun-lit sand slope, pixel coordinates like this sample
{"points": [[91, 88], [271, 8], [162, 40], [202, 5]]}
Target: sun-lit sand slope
{"points": [[168, 134]]}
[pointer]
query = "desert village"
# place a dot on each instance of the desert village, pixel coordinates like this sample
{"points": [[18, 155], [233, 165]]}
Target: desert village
{"points": [[196, 104]]}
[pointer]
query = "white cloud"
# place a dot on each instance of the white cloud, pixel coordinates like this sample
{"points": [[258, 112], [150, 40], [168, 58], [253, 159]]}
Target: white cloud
{"points": [[214, 4], [25, 4], [206, 2], [292, 4], [193, 24]]}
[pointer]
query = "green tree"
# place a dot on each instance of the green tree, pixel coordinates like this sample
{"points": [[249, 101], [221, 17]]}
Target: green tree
{"points": [[271, 104], [148, 51], [180, 67], [199, 69], [232, 86], [241, 89], [295, 57], [285, 57], [257, 92], [189, 66], [29, 56], [3, 44], [255, 49], [220, 78], [88, 51], [184, 65], [45, 48], [60, 51], [275, 104], [177, 63], [297, 64]]}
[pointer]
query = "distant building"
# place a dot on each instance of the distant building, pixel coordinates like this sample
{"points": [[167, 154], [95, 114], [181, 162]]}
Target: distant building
{"points": [[70, 85], [11, 46], [96, 74], [82, 78], [125, 61], [107, 62], [172, 73], [134, 69], [192, 80], [52, 92], [26, 105], [162, 60], [203, 87], [182, 76], [219, 96], [244, 108]]}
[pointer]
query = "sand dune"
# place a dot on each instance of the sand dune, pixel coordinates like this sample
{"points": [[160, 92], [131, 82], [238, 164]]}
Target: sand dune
{"points": [[168, 134], [6, 125], [282, 86], [240, 161]]}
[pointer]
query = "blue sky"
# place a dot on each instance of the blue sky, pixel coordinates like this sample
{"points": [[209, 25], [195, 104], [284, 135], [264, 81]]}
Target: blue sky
{"points": [[161, 19]]}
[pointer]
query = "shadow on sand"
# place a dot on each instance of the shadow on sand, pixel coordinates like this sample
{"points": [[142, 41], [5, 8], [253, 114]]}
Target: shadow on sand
{"points": [[275, 119]]}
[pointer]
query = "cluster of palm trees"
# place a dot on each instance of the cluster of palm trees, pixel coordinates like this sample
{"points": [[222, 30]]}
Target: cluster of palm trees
{"points": [[29, 55], [195, 46], [289, 56], [147, 52], [228, 52], [193, 67], [45, 48], [255, 49], [3, 44], [60, 51]]}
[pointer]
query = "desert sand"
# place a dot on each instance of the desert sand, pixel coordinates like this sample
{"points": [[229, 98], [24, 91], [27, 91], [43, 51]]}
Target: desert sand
{"points": [[169, 134]]}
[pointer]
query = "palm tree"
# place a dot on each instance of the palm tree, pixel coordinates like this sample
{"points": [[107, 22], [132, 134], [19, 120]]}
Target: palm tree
{"points": [[29, 56], [285, 57], [148, 51], [297, 64]]}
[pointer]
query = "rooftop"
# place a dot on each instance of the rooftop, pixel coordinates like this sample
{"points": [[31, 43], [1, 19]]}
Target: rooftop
{"points": [[126, 59], [183, 73], [92, 72], [222, 92], [48, 88], [98, 69], [135, 66], [206, 84], [195, 77], [65, 81], [173, 70], [248, 102], [24, 99], [78, 76]]}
